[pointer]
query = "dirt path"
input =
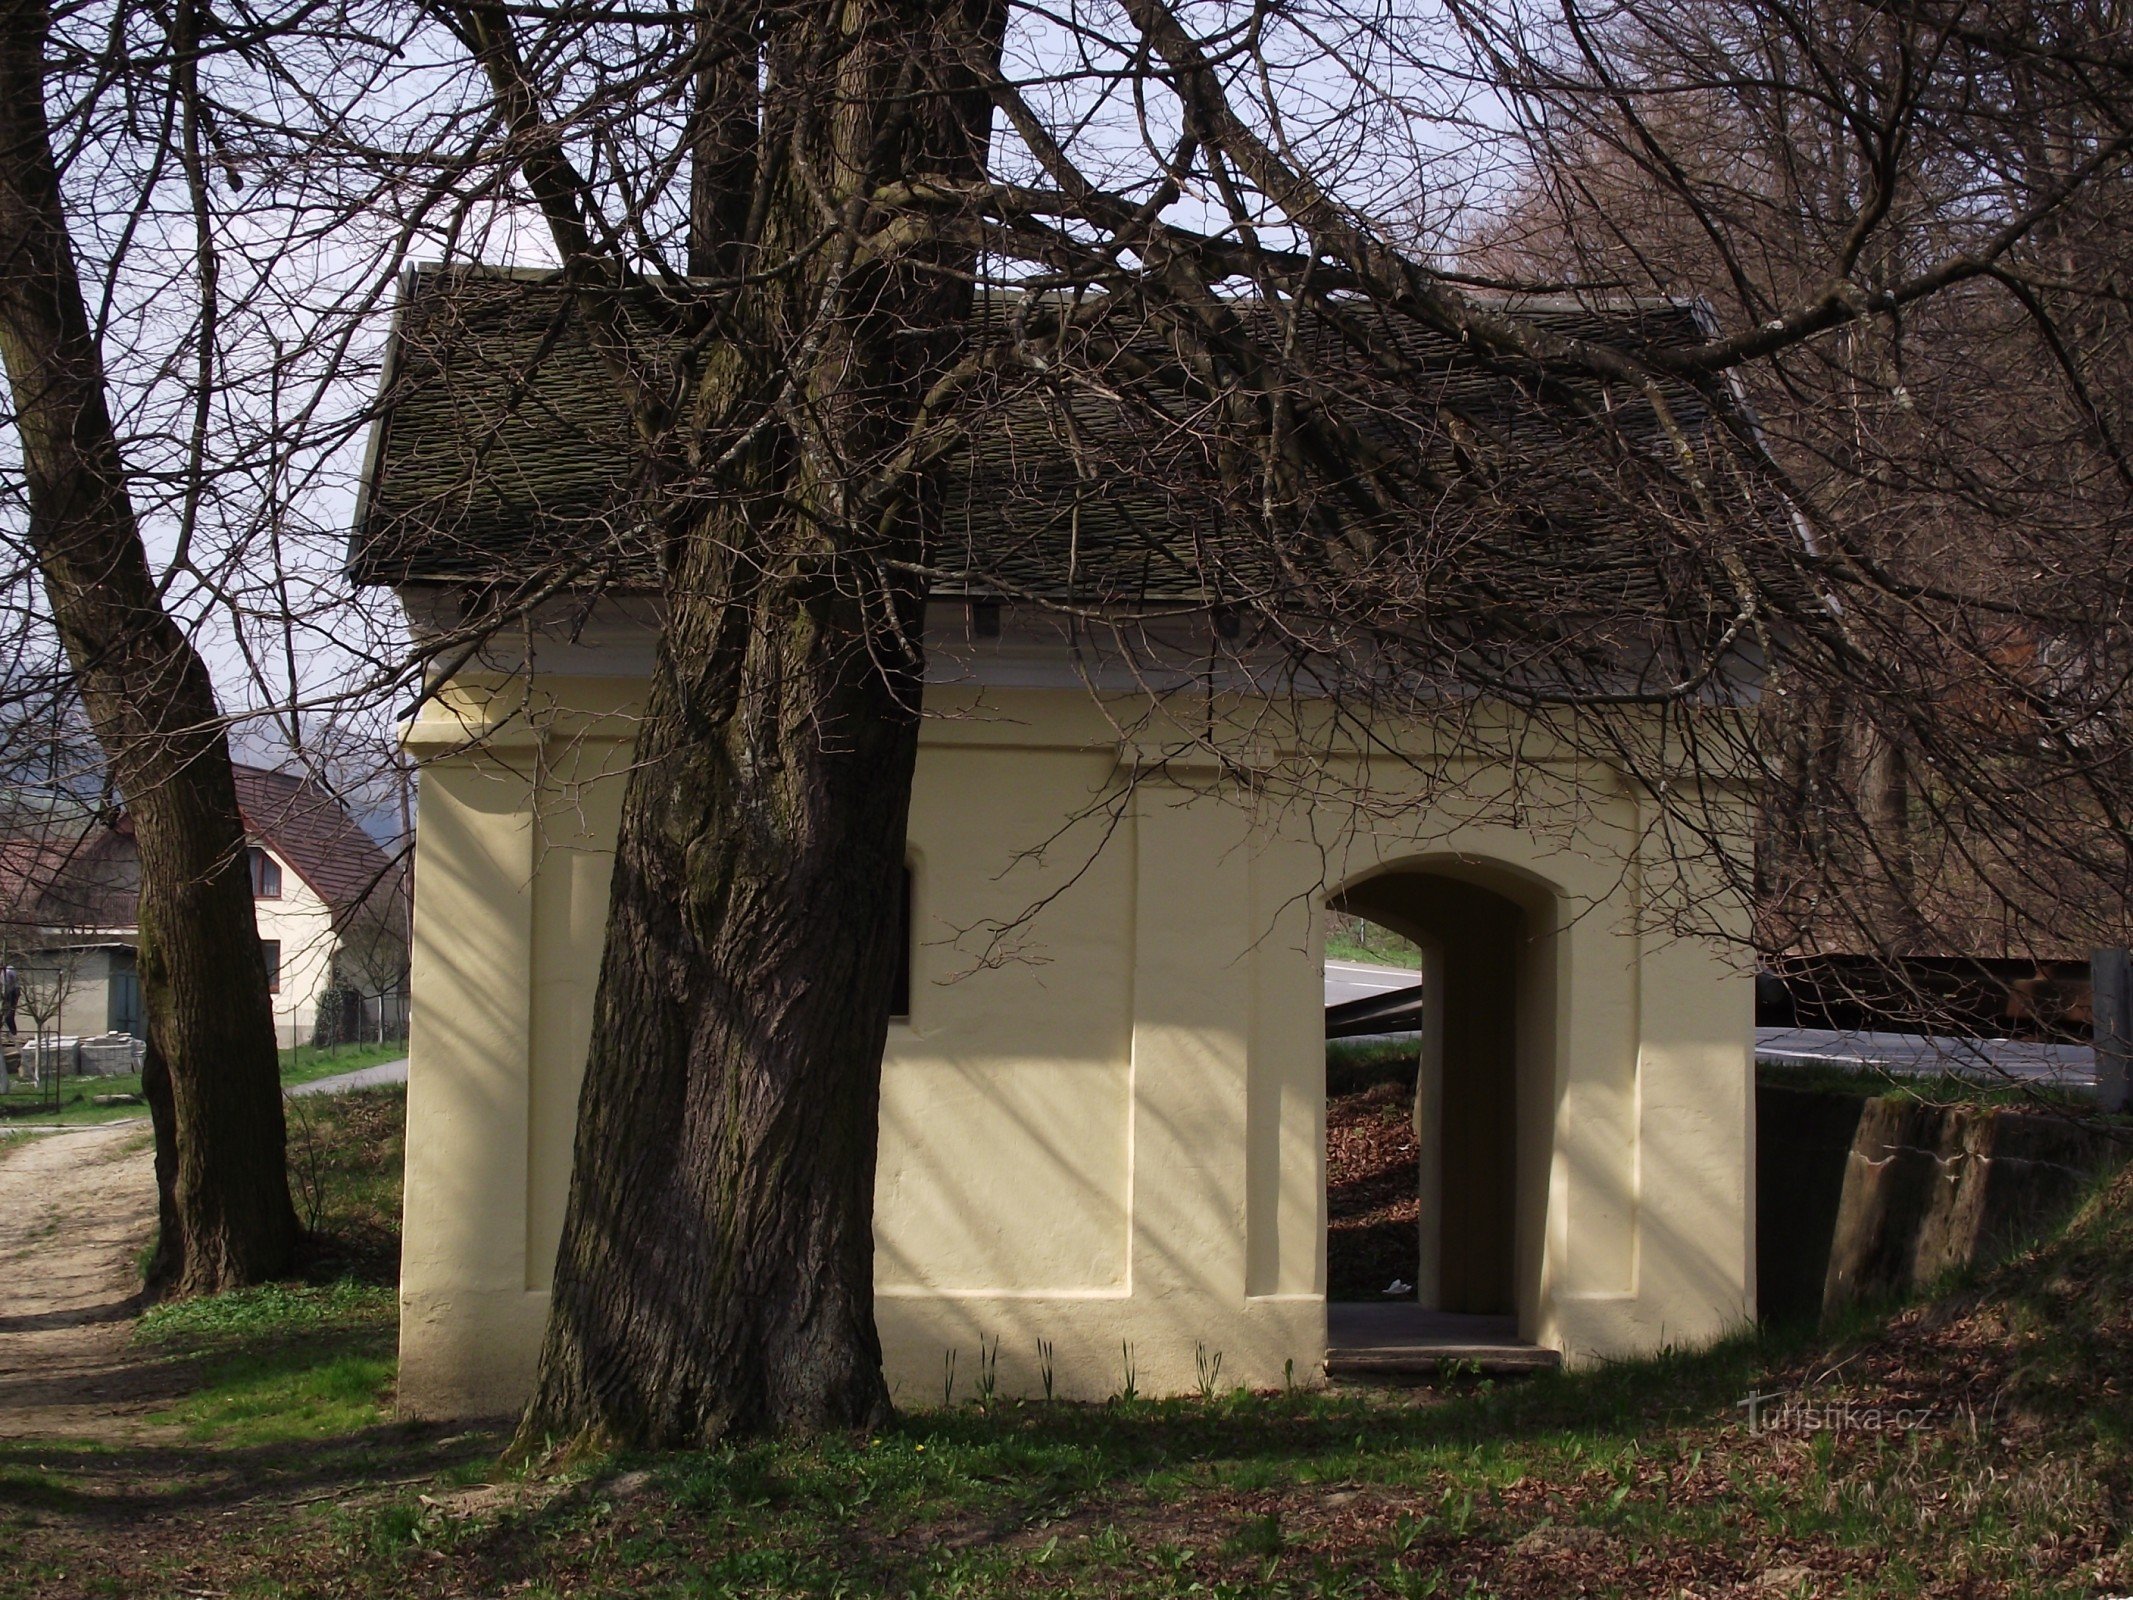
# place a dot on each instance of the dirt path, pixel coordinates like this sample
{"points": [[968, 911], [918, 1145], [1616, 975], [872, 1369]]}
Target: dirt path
{"points": [[75, 1210]]}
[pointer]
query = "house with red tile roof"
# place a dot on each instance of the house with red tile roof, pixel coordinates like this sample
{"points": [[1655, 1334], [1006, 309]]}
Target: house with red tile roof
{"points": [[330, 905]]}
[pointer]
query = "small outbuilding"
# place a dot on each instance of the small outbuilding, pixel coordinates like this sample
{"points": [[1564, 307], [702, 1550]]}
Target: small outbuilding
{"points": [[1103, 1117]]}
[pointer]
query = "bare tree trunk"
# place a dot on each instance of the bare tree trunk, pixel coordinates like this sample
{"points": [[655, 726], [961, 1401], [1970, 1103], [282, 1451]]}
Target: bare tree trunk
{"points": [[716, 1274], [203, 979], [168, 1260], [717, 1265]]}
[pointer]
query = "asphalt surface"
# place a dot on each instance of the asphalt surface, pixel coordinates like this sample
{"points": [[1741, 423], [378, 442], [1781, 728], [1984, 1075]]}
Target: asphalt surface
{"points": [[2068, 1066], [1356, 980], [363, 1078]]}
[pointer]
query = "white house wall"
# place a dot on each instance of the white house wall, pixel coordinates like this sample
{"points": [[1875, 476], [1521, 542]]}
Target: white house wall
{"points": [[303, 924], [83, 973]]}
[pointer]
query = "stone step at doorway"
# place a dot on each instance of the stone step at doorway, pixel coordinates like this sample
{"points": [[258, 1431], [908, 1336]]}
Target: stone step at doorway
{"points": [[1404, 1343]]}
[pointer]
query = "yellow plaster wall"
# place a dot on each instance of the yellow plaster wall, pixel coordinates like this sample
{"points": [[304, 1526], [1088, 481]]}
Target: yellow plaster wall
{"points": [[1103, 1124]]}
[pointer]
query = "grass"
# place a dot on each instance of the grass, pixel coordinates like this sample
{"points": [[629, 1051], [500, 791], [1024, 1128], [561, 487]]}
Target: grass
{"points": [[1382, 950], [1465, 1489], [345, 1156], [1633, 1479], [77, 1096], [1935, 1089], [312, 1360], [1352, 938], [279, 1363]]}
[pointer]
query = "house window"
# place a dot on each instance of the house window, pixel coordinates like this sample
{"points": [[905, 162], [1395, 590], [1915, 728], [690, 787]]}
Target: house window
{"points": [[266, 876], [271, 949], [900, 997]]}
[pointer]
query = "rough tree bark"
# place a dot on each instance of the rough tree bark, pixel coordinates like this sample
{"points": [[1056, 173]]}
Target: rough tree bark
{"points": [[716, 1270], [149, 699]]}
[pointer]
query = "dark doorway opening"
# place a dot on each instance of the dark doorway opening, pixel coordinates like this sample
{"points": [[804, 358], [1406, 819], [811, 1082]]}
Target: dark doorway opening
{"points": [[1423, 1126]]}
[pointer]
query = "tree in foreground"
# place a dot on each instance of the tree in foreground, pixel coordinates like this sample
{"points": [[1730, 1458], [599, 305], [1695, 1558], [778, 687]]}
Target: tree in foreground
{"points": [[212, 1074]]}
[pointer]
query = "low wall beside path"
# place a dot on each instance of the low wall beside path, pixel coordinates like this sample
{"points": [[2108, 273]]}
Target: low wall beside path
{"points": [[1861, 1199]]}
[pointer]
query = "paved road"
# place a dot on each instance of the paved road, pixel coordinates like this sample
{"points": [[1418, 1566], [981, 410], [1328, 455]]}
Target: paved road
{"points": [[1354, 980], [2071, 1066], [363, 1078]]}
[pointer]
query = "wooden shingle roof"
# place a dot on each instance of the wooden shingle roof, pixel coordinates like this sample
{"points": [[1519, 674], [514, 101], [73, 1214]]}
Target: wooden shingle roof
{"points": [[501, 446]]}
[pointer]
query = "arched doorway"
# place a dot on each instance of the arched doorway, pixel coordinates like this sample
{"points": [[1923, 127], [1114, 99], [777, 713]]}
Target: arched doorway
{"points": [[1480, 1109]]}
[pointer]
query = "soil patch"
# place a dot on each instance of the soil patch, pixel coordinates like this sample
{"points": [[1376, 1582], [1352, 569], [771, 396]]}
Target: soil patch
{"points": [[1372, 1210], [76, 1211]]}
